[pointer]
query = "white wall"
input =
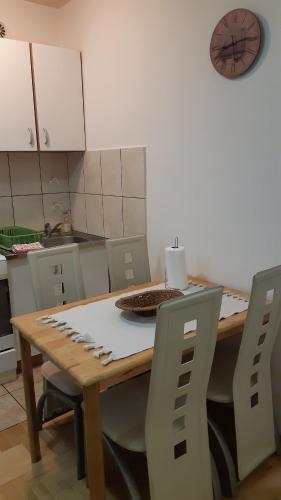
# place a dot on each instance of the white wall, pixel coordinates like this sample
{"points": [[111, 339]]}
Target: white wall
{"points": [[29, 22], [214, 148]]}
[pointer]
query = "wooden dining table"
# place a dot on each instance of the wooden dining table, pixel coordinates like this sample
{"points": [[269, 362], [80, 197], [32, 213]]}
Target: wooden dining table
{"points": [[90, 374]]}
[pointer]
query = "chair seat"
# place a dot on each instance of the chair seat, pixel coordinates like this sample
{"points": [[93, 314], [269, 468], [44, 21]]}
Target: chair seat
{"points": [[60, 379], [220, 387], [124, 411]]}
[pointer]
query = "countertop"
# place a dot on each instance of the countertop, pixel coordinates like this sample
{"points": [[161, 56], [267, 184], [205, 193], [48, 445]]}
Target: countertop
{"points": [[91, 240]]}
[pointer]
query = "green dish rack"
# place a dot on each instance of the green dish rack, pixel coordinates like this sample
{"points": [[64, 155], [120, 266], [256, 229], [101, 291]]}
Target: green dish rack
{"points": [[13, 235]]}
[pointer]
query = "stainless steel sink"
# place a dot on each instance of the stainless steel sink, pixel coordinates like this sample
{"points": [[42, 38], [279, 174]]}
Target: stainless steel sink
{"points": [[55, 241]]}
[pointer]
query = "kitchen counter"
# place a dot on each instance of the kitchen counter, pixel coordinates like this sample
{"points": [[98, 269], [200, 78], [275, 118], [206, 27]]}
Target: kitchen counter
{"points": [[84, 240]]}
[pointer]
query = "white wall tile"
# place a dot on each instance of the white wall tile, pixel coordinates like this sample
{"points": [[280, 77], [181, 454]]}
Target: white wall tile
{"points": [[133, 172], [29, 211], [6, 211], [5, 185], [54, 172], [78, 212], [54, 206], [94, 211], [76, 172], [88, 176], [134, 216], [92, 172], [111, 172], [25, 173], [113, 219]]}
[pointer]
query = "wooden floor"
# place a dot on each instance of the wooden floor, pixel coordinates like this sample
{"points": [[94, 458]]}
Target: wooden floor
{"points": [[54, 478]]}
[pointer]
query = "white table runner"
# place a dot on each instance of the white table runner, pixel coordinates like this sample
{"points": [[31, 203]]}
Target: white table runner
{"points": [[101, 325]]}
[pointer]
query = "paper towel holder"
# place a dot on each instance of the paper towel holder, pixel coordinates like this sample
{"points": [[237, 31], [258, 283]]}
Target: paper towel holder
{"points": [[176, 245]]}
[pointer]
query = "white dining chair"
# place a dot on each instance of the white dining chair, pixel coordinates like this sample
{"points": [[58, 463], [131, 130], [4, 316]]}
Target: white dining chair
{"points": [[276, 388], [56, 275], [57, 280], [128, 262], [165, 415], [241, 374]]}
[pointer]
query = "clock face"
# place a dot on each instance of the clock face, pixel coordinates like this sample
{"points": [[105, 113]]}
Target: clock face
{"points": [[235, 43]]}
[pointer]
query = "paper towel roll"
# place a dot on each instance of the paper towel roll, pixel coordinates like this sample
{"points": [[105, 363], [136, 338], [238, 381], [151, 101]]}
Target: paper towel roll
{"points": [[176, 274]]}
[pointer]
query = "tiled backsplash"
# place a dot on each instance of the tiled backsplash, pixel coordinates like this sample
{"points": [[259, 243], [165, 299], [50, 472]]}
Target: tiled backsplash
{"points": [[108, 192], [34, 188], [104, 189]]}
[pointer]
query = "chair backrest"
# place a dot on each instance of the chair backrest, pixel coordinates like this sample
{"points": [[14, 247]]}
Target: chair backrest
{"points": [[127, 262], [176, 430], [252, 391], [56, 276]]}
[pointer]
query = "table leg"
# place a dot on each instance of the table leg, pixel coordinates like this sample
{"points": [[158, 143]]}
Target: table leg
{"points": [[27, 372], [93, 442]]}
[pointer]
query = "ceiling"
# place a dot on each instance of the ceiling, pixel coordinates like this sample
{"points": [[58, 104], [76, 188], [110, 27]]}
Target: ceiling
{"points": [[50, 3]]}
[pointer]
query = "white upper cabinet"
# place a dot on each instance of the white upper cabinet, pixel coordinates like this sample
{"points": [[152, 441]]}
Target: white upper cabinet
{"points": [[17, 129], [59, 98]]}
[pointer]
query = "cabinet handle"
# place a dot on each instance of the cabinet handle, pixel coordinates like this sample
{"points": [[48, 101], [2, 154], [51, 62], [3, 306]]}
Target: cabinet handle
{"points": [[30, 137], [45, 137]]}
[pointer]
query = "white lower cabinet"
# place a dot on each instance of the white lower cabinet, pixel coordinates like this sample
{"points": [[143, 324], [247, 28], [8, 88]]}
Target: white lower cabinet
{"points": [[94, 272], [8, 365]]}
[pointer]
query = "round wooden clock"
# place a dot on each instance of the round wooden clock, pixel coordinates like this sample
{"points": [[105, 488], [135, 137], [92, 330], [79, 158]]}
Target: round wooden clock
{"points": [[235, 43], [2, 31]]}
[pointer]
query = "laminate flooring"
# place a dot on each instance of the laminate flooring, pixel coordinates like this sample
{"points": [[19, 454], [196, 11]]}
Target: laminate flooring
{"points": [[54, 477]]}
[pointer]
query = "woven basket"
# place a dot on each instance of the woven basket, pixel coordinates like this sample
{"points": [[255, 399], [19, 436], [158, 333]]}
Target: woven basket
{"points": [[146, 303]]}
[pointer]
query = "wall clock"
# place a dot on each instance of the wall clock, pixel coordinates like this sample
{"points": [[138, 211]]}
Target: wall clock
{"points": [[2, 31], [236, 43]]}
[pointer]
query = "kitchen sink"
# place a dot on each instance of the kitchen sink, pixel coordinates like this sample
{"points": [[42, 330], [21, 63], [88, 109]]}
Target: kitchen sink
{"points": [[55, 241]]}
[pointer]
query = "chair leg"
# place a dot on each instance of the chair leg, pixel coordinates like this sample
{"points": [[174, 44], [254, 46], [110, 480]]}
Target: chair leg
{"points": [[216, 480], [277, 440], [123, 468], [79, 438], [278, 446], [78, 424], [40, 410], [223, 460]]}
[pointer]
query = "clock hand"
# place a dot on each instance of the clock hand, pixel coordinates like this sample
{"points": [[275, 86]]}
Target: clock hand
{"points": [[246, 39], [233, 51], [232, 45], [223, 48], [234, 54]]}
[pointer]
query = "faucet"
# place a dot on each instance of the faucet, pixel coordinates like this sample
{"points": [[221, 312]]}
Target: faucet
{"points": [[48, 231]]}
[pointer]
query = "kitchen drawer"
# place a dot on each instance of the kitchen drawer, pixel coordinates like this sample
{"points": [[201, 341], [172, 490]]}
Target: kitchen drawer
{"points": [[7, 342]]}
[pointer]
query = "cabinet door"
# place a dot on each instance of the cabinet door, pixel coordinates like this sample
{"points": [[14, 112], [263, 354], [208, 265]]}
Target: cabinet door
{"points": [[17, 129], [59, 98]]}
